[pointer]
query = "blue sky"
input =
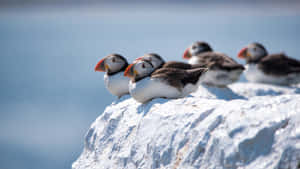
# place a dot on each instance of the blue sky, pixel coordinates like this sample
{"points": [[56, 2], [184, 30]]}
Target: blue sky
{"points": [[50, 93]]}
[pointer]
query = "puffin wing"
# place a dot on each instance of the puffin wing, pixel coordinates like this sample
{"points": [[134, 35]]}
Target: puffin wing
{"points": [[279, 64], [219, 60], [178, 65], [182, 65], [179, 77], [172, 76], [193, 75]]}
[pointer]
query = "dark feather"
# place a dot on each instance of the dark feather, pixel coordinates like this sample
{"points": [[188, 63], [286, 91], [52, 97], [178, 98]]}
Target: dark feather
{"points": [[214, 60], [182, 65], [178, 77], [279, 64]]}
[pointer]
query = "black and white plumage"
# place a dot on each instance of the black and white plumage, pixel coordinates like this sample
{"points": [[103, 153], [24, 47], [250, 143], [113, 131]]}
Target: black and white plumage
{"points": [[114, 65], [223, 70], [148, 82], [158, 62], [274, 68]]}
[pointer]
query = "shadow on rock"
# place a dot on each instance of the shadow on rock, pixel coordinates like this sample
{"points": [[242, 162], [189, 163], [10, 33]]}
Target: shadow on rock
{"points": [[297, 90], [269, 92], [122, 98], [223, 93], [144, 108]]}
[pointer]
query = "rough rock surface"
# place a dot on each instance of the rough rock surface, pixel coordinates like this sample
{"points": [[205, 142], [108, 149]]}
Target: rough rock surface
{"points": [[244, 126]]}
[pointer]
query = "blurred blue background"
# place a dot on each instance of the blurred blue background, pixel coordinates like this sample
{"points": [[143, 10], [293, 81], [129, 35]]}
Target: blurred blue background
{"points": [[50, 93]]}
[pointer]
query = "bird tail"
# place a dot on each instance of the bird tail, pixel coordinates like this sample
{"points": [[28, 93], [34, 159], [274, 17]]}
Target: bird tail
{"points": [[194, 75]]}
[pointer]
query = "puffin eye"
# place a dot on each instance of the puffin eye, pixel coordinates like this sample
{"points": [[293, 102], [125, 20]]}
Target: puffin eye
{"points": [[194, 47], [143, 65], [113, 59], [254, 49]]}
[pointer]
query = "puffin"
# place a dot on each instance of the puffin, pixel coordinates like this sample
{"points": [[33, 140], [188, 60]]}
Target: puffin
{"points": [[261, 67], [148, 82], [223, 70], [114, 65]]}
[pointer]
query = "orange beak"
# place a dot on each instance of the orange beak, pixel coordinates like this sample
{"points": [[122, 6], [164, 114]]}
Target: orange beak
{"points": [[186, 54], [100, 67], [243, 53], [129, 72]]}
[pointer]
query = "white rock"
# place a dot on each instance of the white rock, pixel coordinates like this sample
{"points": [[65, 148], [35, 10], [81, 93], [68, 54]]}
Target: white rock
{"points": [[244, 126]]}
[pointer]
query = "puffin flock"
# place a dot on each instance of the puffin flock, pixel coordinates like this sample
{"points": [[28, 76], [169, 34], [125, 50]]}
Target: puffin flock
{"points": [[150, 77]]}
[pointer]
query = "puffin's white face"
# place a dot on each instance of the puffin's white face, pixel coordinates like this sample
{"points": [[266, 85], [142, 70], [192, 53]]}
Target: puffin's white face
{"points": [[114, 63], [111, 64], [142, 68], [195, 48], [156, 62], [255, 52]]}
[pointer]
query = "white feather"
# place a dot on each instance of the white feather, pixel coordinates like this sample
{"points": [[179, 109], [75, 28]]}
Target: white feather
{"points": [[221, 78], [218, 77], [150, 88], [193, 60], [117, 84], [253, 74]]}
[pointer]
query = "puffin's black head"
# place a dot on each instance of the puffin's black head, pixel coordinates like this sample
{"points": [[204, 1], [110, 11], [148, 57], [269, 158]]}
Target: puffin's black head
{"points": [[111, 64], [253, 53], [197, 48]]}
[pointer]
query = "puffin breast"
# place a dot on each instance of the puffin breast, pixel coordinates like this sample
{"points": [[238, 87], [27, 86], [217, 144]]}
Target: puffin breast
{"points": [[117, 84], [150, 88]]}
